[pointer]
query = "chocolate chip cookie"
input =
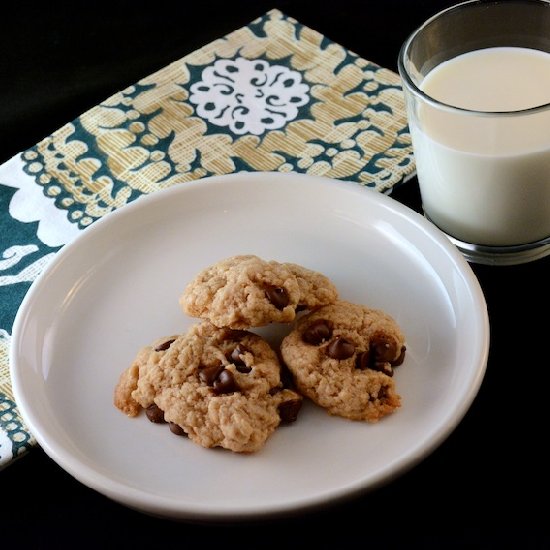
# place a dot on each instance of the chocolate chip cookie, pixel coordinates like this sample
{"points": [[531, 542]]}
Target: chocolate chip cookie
{"points": [[342, 357], [146, 360], [221, 387], [246, 291]]}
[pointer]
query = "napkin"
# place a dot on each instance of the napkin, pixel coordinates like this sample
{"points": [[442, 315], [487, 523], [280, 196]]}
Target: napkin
{"points": [[274, 95]]}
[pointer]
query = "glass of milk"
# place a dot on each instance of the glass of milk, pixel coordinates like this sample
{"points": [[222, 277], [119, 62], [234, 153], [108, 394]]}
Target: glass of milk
{"points": [[476, 79]]}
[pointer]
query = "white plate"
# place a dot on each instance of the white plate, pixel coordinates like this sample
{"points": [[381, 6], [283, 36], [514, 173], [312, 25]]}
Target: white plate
{"points": [[117, 286]]}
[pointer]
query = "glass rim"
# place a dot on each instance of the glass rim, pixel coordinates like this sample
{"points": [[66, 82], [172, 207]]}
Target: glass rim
{"points": [[411, 85]]}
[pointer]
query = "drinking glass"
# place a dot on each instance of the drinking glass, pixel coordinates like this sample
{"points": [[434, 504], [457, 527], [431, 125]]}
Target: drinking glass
{"points": [[484, 173]]}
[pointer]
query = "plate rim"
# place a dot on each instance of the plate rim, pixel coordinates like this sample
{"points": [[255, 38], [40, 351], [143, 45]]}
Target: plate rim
{"points": [[167, 506]]}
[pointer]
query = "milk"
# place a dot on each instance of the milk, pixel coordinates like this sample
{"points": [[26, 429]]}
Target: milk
{"points": [[485, 178]]}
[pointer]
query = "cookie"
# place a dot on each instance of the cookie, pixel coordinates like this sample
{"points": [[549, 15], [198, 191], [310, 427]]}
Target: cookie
{"points": [[342, 356], [145, 360], [246, 291], [315, 288], [221, 387]]}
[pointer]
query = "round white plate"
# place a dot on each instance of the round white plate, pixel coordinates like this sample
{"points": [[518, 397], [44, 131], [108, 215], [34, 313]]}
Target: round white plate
{"points": [[116, 288]]}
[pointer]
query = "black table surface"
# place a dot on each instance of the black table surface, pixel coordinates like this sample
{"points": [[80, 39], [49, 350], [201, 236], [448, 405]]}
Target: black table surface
{"points": [[485, 486]]}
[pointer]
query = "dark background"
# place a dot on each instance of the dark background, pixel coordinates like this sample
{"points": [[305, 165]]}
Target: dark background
{"points": [[486, 486], [60, 59]]}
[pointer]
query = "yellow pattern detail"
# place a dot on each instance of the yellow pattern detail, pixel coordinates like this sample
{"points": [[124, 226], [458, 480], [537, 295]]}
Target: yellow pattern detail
{"points": [[5, 382]]}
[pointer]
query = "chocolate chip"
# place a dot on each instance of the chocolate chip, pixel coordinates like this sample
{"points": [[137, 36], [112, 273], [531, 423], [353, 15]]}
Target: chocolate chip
{"points": [[155, 414], [277, 296], [275, 390], [384, 347], [208, 375], [235, 355], [243, 368], [363, 360], [176, 429], [288, 410], [319, 331], [287, 380], [340, 348], [367, 360], [165, 345], [383, 367], [225, 383], [236, 359], [400, 359], [383, 393]]}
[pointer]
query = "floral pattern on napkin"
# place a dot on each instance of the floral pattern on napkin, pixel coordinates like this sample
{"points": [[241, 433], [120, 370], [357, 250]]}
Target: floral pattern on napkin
{"points": [[272, 96]]}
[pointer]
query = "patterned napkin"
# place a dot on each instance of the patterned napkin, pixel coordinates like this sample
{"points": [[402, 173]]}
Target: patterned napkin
{"points": [[272, 96]]}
